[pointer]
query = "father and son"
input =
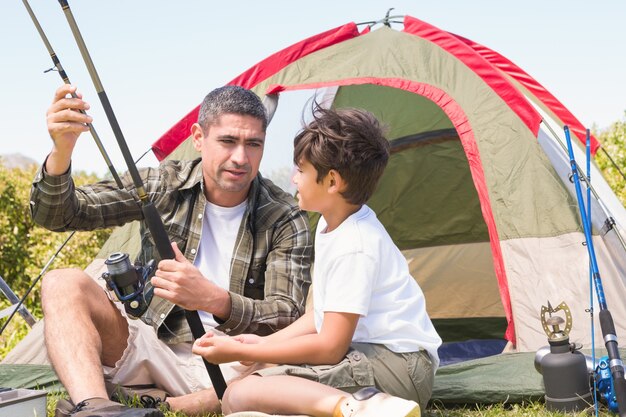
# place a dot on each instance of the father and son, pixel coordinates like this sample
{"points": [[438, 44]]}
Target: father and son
{"points": [[243, 260]]}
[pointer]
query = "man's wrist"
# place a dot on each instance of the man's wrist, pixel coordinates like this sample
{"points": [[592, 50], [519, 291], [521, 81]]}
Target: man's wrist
{"points": [[222, 306], [56, 164]]}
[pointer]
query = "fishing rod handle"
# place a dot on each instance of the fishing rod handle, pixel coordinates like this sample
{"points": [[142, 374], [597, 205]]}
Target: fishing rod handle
{"points": [[164, 248], [157, 230], [615, 362], [215, 374]]}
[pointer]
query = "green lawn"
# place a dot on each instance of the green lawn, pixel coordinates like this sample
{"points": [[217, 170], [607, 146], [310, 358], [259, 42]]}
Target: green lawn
{"points": [[535, 409]]}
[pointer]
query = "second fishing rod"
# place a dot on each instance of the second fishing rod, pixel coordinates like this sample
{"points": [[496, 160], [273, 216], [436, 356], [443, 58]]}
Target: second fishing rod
{"points": [[606, 319], [151, 216]]}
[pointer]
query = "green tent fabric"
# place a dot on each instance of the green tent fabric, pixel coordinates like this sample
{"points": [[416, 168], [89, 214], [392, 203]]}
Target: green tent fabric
{"points": [[29, 376], [511, 378]]}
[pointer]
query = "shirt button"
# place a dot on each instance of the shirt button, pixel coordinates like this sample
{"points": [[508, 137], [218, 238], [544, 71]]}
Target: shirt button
{"points": [[200, 216], [193, 251], [162, 315], [251, 281], [227, 330]]}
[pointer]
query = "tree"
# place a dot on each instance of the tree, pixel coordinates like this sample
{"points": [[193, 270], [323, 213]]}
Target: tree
{"points": [[613, 140], [25, 247]]}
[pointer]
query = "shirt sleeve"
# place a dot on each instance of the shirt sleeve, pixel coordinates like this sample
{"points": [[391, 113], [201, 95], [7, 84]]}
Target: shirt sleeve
{"points": [[287, 281], [349, 284], [58, 205]]}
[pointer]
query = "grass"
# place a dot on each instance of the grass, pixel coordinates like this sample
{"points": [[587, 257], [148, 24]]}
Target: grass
{"points": [[531, 409]]}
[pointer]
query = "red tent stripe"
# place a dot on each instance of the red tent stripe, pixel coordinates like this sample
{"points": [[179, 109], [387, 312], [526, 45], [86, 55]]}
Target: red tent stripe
{"points": [[538, 90], [276, 62], [500, 85], [459, 119], [175, 135], [255, 75]]}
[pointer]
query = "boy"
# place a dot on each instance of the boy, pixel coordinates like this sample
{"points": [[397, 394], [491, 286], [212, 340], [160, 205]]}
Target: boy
{"points": [[369, 318]]}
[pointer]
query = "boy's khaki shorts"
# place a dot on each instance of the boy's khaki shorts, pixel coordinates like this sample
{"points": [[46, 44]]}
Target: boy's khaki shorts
{"points": [[405, 375]]}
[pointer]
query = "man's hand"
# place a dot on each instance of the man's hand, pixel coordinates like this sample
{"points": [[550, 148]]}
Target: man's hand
{"points": [[179, 281], [217, 349], [65, 124]]}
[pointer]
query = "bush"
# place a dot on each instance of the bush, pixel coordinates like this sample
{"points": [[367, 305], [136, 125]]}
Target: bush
{"points": [[613, 140], [25, 247]]}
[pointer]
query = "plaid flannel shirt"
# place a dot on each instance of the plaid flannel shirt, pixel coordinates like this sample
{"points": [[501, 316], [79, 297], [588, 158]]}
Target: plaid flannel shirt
{"points": [[270, 267]]}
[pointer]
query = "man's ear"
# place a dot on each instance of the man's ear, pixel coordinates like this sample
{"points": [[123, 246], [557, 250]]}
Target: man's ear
{"points": [[197, 136]]}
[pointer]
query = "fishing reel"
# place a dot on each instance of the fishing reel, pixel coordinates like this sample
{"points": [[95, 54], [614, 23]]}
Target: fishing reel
{"points": [[604, 384], [128, 282]]}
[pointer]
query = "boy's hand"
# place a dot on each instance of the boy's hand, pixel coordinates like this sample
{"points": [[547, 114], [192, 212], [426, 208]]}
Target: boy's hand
{"points": [[217, 349], [250, 339]]}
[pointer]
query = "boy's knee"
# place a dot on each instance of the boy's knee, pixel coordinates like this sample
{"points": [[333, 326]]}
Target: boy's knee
{"points": [[238, 394]]}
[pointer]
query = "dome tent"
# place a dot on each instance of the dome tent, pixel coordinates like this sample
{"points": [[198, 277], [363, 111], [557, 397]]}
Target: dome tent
{"points": [[477, 191]]}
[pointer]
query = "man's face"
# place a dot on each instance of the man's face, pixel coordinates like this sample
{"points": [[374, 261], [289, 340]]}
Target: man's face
{"points": [[231, 154]]}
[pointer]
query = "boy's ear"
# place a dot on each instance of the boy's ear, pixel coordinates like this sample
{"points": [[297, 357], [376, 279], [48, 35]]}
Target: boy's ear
{"points": [[335, 182]]}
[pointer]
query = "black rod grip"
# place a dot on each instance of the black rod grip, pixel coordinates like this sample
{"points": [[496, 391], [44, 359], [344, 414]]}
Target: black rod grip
{"points": [[620, 394], [197, 330], [606, 322], [164, 247], [157, 230]]}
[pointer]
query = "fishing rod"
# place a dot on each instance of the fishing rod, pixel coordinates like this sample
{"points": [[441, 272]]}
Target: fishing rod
{"points": [[609, 222], [66, 80], [43, 270], [151, 216], [591, 310], [606, 319]]}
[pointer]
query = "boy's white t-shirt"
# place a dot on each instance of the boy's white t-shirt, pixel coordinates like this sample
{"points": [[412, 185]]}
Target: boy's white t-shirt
{"points": [[358, 269], [217, 242]]}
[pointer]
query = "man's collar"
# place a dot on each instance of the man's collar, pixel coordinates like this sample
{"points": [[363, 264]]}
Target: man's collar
{"points": [[195, 178]]}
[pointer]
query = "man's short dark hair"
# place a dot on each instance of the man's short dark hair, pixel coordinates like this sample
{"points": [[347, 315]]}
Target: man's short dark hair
{"points": [[350, 141], [230, 99]]}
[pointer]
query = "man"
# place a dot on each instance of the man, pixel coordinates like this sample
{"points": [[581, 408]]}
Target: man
{"points": [[242, 258]]}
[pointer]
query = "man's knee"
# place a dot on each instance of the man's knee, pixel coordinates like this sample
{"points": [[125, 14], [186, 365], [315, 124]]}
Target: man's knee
{"points": [[60, 280], [63, 285]]}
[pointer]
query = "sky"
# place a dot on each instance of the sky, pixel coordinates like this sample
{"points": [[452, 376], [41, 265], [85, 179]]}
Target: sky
{"points": [[157, 59]]}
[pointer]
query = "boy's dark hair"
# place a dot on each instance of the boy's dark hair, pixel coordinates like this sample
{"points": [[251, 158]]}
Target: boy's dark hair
{"points": [[230, 99], [350, 141]]}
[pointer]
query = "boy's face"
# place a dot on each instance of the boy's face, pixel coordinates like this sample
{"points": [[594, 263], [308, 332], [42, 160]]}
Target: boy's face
{"points": [[311, 194]]}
